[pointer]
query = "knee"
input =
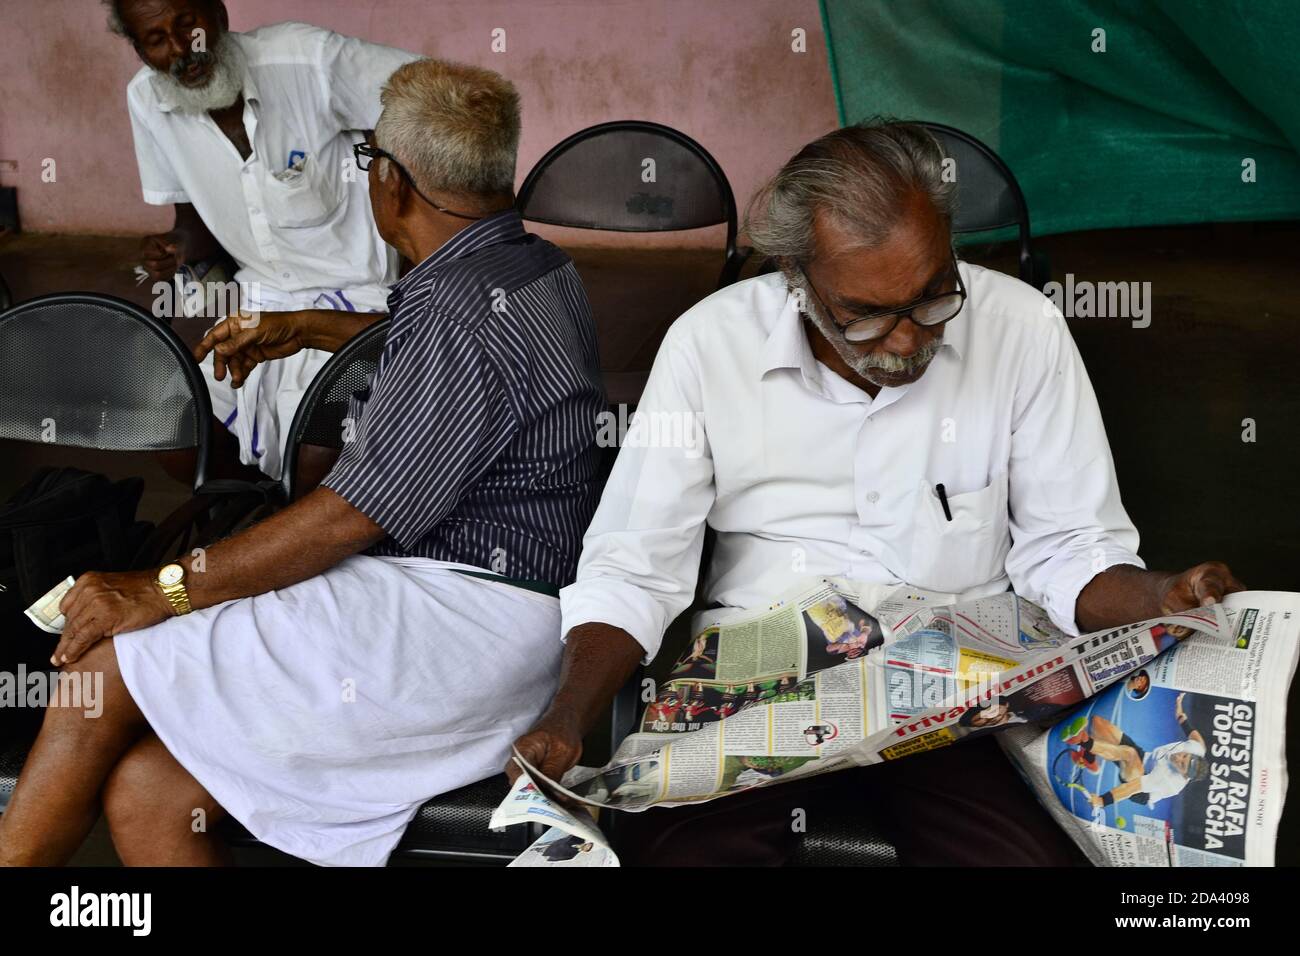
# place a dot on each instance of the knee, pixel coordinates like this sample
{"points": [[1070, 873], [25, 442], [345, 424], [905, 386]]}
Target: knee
{"points": [[129, 799], [91, 686], [143, 802]]}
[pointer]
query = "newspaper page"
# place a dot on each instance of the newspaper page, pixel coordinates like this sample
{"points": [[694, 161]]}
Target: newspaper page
{"points": [[571, 840], [832, 676], [1182, 762]]}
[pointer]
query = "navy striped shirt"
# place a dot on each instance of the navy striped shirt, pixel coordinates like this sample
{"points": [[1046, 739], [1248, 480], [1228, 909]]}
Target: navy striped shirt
{"points": [[475, 442]]}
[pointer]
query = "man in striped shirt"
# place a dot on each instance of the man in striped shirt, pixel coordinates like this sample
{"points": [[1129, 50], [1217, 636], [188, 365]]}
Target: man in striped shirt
{"points": [[316, 694]]}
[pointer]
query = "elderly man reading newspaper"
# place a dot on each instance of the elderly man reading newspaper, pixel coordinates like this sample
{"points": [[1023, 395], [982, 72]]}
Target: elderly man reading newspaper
{"points": [[317, 694], [878, 411]]}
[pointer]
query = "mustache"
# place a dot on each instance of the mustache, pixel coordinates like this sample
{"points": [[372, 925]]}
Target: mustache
{"points": [[193, 58], [895, 364]]}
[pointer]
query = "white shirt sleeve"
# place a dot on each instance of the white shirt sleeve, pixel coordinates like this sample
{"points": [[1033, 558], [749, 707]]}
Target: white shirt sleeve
{"points": [[355, 71], [641, 555], [1067, 522], [158, 180]]}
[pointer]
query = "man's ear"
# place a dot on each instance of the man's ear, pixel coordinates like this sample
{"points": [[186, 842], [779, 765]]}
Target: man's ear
{"points": [[401, 189]]}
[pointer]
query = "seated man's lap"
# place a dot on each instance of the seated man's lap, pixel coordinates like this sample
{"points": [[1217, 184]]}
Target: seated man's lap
{"points": [[960, 806], [964, 805]]}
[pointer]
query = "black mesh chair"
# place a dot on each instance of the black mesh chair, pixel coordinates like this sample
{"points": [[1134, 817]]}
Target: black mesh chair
{"points": [[593, 180], [6, 299], [92, 371], [988, 197], [86, 370], [319, 418]]}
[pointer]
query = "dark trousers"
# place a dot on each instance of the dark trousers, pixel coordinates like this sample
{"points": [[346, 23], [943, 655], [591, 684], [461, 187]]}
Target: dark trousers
{"points": [[964, 805]]}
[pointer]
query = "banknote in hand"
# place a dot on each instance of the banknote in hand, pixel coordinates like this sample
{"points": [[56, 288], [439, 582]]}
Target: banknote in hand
{"points": [[45, 613]]}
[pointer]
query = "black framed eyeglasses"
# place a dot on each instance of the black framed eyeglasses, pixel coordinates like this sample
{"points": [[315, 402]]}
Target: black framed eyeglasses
{"points": [[366, 153], [927, 312]]}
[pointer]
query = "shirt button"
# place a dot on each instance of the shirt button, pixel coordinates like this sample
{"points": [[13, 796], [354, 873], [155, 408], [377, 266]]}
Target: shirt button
{"points": [[286, 275], [873, 496], [254, 210]]}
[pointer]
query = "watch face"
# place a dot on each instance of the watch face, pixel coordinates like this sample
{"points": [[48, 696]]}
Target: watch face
{"points": [[171, 574]]}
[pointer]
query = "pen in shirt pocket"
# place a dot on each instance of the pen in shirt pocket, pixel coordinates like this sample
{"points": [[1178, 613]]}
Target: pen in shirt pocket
{"points": [[943, 500]]}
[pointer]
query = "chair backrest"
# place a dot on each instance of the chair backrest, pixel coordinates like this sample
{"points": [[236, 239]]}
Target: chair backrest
{"points": [[630, 176], [988, 196], [319, 419], [87, 370]]}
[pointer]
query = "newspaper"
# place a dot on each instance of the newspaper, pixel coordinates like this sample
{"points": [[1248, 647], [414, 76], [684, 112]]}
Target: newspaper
{"points": [[1135, 785], [837, 675], [571, 839]]}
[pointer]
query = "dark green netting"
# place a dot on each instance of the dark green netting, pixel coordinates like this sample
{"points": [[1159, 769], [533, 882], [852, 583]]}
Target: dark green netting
{"points": [[1152, 131]]}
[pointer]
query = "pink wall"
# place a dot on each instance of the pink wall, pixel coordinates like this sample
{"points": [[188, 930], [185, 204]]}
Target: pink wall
{"points": [[720, 70]]}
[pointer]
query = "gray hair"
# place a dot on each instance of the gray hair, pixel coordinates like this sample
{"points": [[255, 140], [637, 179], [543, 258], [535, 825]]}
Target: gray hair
{"points": [[454, 127], [860, 176], [114, 13]]}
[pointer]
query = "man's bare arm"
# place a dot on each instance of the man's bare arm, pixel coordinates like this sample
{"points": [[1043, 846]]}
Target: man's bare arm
{"points": [[197, 241], [598, 660], [243, 340], [1126, 593], [270, 555], [188, 241], [306, 538]]}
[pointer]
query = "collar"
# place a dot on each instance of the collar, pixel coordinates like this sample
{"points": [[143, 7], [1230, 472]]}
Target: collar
{"points": [[787, 344], [956, 334], [248, 88], [503, 226]]}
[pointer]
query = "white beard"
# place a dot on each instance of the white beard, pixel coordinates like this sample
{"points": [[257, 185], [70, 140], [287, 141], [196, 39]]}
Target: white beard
{"points": [[223, 86], [868, 365]]}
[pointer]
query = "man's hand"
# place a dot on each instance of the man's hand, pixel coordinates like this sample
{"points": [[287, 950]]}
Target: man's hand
{"points": [[553, 745], [1200, 586], [1124, 593], [162, 255], [103, 604], [242, 340]]}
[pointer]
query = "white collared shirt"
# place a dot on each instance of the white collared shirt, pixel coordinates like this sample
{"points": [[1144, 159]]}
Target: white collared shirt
{"points": [[803, 474], [305, 91]]}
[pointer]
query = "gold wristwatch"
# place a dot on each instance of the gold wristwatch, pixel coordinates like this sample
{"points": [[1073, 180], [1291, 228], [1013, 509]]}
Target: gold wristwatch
{"points": [[171, 578]]}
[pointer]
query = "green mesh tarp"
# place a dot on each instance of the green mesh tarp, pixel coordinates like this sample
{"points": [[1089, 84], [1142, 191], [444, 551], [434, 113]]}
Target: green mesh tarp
{"points": [[1154, 130]]}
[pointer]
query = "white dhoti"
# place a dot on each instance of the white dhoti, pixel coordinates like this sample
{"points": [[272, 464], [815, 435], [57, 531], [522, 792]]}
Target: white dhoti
{"points": [[323, 715], [259, 412]]}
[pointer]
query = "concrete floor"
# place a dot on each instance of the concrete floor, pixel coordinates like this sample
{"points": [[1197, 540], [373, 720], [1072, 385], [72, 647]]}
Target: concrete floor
{"points": [[1223, 345]]}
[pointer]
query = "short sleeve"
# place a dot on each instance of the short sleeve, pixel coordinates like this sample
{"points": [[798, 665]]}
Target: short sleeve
{"points": [[158, 180], [437, 418], [356, 71]]}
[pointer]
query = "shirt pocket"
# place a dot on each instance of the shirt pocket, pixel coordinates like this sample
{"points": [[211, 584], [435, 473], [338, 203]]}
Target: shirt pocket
{"points": [[302, 197], [967, 551]]}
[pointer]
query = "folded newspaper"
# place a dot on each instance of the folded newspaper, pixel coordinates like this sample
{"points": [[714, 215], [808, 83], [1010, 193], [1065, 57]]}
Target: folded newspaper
{"points": [[1159, 743]]}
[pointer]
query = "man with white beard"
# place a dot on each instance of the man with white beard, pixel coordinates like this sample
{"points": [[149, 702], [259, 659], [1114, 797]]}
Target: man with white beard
{"points": [[249, 136], [877, 410]]}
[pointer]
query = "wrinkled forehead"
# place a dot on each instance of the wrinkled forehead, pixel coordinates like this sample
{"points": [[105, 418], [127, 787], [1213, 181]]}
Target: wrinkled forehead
{"points": [[896, 270], [139, 15]]}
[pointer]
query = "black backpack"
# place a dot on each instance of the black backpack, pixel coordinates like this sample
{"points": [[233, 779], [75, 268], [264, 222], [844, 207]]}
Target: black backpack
{"points": [[63, 522]]}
